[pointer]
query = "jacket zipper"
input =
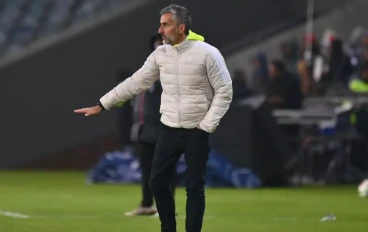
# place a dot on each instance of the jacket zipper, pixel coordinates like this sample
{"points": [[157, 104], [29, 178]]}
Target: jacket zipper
{"points": [[177, 76]]}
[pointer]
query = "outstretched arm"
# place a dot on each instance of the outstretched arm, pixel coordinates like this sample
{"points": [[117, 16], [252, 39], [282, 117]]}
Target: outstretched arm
{"points": [[137, 83]]}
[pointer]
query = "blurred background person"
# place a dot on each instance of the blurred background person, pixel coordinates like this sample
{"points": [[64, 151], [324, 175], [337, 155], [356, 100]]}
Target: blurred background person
{"points": [[284, 92], [284, 89], [339, 65], [125, 117], [311, 65], [260, 74], [290, 53], [241, 89], [145, 128]]}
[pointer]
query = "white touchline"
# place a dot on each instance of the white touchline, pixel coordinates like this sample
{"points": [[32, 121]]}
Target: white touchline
{"points": [[285, 219], [71, 217], [13, 214]]}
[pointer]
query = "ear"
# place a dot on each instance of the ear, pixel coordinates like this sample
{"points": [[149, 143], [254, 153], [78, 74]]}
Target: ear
{"points": [[182, 28]]}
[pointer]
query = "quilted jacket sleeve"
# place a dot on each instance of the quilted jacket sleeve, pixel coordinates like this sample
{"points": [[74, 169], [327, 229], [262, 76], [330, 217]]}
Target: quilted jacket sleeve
{"points": [[219, 78], [137, 83]]}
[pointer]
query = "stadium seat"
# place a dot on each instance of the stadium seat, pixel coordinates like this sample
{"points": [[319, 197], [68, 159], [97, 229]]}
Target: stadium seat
{"points": [[23, 22]]}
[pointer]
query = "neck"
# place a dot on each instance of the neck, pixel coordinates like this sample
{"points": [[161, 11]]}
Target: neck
{"points": [[180, 39]]}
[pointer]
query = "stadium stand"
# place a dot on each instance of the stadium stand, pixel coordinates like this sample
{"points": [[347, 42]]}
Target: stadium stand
{"points": [[22, 22]]}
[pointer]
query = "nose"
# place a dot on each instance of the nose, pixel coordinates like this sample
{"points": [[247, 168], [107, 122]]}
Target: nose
{"points": [[160, 30]]}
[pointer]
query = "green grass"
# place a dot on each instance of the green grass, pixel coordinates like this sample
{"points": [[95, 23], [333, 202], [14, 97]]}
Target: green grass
{"points": [[63, 202]]}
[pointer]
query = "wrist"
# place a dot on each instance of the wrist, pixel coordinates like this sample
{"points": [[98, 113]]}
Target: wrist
{"points": [[100, 106]]}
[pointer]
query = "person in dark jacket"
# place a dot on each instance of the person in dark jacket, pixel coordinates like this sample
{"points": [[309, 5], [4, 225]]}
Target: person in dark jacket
{"points": [[284, 92], [240, 86], [125, 117], [145, 128], [339, 68]]}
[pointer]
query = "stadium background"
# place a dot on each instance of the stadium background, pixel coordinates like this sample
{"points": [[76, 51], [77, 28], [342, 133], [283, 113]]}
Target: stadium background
{"points": [[56, 56]]}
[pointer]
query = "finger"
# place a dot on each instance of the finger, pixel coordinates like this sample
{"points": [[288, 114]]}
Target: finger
{"points": [[84, 110], [89, 114]]}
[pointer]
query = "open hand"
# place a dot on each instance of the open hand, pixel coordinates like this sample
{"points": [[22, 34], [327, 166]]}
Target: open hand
{"points": [[89, 111]]}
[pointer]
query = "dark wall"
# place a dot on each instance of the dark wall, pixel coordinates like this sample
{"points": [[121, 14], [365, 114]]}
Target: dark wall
{"points": [[40, 92], [225, 21]]}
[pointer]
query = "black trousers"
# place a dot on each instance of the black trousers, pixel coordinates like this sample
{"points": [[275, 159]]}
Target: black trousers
{"points": [[146, 152], [171, 144]]}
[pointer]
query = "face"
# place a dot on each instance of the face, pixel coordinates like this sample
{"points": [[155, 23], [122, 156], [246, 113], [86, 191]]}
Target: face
{"points": [[171, 32], [286, 50], [272, 71], [256, 63]]}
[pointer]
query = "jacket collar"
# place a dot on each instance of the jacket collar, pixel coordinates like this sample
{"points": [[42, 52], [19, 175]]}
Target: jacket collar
{"points": [[187, 43], [183, 46]]}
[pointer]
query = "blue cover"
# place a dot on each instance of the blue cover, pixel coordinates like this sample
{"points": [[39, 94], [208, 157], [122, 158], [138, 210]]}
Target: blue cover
{"points": [[120, 167]]}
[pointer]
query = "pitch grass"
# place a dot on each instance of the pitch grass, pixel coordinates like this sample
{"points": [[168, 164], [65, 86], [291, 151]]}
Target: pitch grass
{"points": [[63, 202]]}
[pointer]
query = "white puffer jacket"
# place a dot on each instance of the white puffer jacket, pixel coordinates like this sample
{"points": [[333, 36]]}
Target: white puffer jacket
{"points": [[197, 87]]}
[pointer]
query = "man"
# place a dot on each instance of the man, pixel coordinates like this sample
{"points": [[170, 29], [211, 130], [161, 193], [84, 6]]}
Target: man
{"points": [[146, 124], [360, 83], [284, 91], [358, 118], [240, 86], [339, 65], [125, 117], [197, 92], [260, 74]]}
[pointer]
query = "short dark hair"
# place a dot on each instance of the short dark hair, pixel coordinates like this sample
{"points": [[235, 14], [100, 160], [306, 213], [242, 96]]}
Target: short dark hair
{"points": [[181, 15], [153, 39], [279, 65]]}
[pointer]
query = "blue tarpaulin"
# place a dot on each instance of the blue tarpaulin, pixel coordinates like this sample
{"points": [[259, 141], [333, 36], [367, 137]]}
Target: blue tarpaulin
{"points": [[120, 167]]}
